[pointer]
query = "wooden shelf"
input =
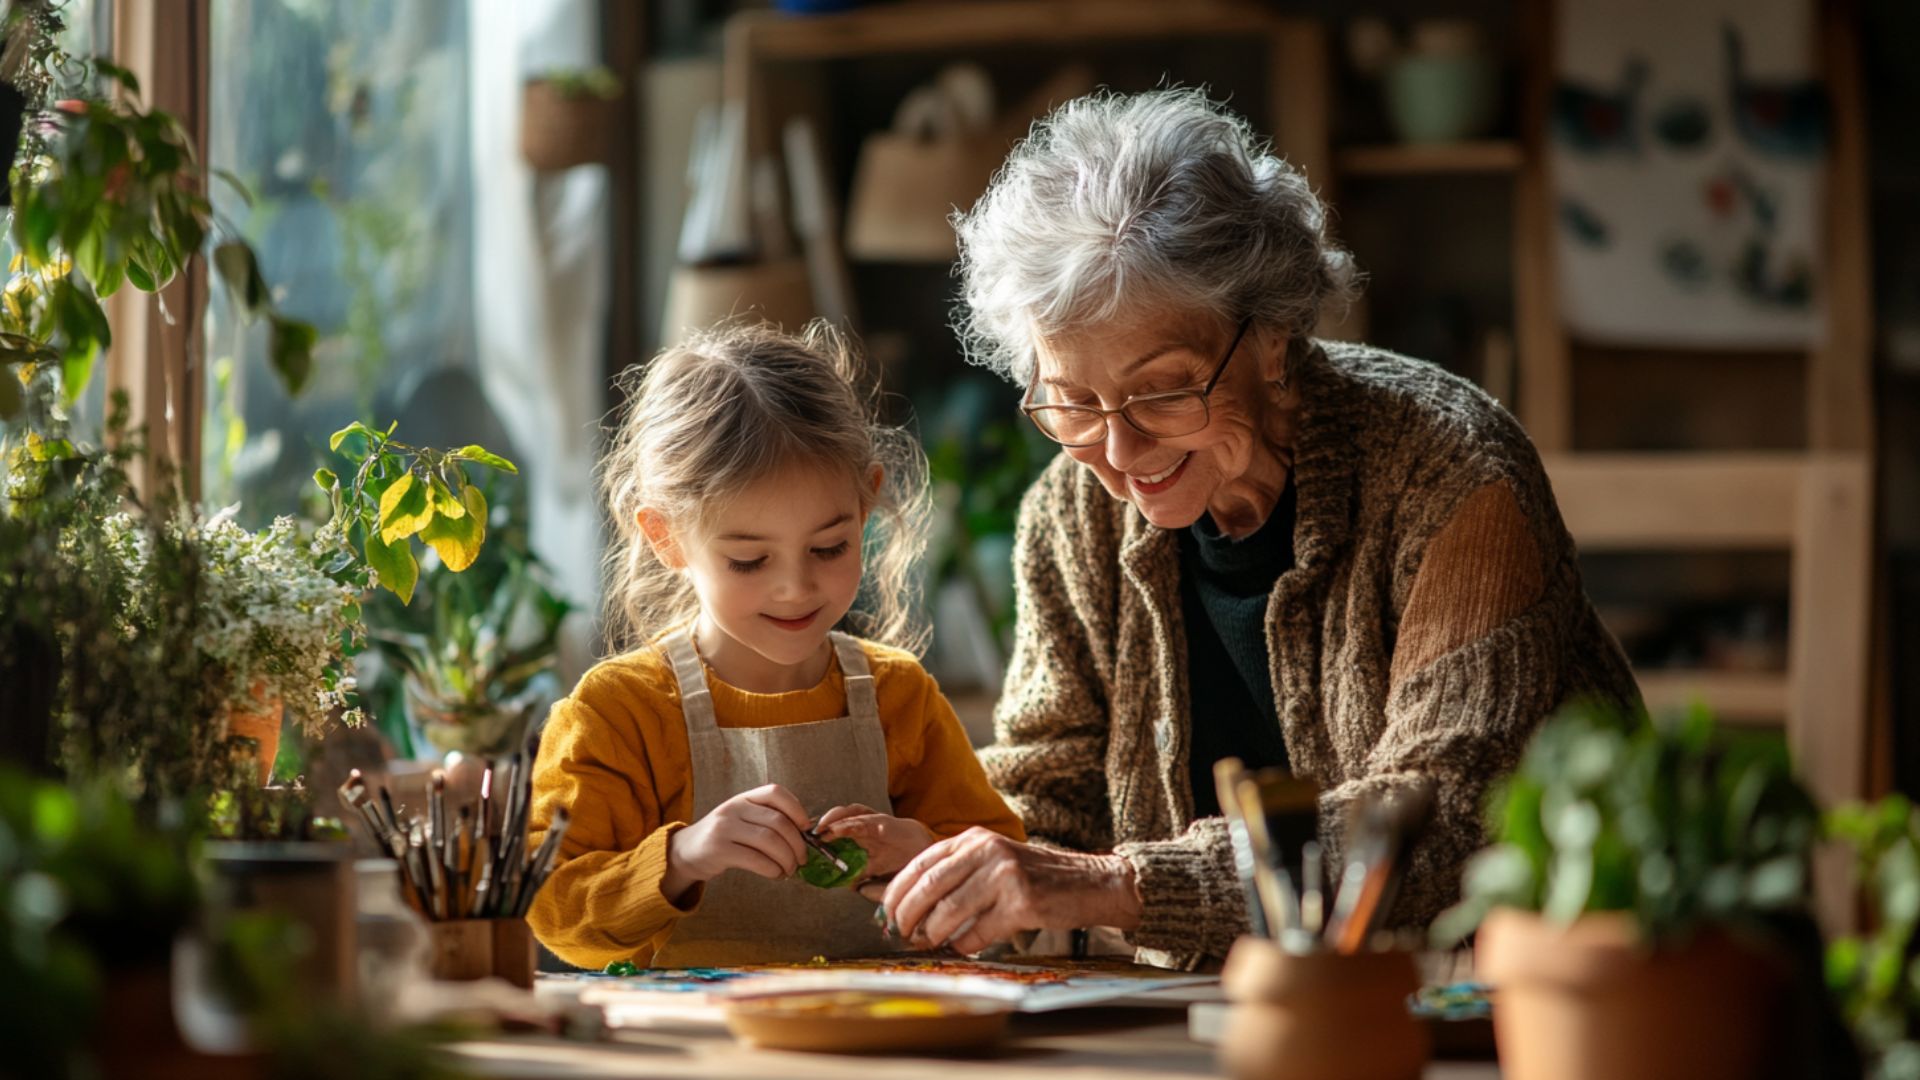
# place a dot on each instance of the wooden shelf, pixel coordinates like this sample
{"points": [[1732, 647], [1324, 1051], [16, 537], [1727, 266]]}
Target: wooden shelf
{"points": [[1742, 698], [1418, 159], [1697, 501], [946, 26]]}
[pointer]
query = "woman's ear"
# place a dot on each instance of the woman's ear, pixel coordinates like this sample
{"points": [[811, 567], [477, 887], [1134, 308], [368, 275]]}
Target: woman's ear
{"points": [[1272, 346], [877, 478], [660, 538]]}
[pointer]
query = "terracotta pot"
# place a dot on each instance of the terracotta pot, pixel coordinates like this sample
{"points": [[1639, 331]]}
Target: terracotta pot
{"points": [[1592, 1002], [558, 131], [312, 883], [260, 721], [1321, 1016]]}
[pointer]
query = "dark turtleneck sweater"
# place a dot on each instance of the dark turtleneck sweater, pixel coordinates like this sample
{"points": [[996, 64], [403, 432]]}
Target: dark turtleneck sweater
{"points": [[1225, 585]]}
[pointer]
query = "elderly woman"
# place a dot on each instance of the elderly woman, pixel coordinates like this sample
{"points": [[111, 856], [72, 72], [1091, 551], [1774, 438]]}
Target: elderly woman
{"points": [[1295, 552]]}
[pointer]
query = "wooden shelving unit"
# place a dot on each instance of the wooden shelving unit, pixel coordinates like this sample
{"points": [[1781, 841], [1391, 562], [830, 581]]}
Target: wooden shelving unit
{"points": [[1489, 156]]}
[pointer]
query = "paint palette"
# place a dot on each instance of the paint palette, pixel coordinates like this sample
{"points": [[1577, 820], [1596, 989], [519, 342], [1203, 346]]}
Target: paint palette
{"points": [[867, 1022]]}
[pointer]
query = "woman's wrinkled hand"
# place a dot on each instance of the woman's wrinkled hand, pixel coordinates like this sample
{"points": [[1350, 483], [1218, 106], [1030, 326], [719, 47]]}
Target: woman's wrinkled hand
{"points": [[978, 888]]}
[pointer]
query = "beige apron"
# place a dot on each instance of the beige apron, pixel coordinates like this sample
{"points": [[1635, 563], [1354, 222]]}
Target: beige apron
{"points": [[744, 918]]}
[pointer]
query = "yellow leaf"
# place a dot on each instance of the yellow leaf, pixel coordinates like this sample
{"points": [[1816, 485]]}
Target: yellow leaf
{"points": [[404, 509]]}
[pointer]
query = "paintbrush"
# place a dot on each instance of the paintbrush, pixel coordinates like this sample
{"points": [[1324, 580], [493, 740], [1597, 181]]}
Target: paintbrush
{"points": [[1313, 897], [354, 794], [505, 847], [483, 858], [1226, 777], [1379, 831], [812, 840], [437, 816], [542, 862], [392, 815], [1270, 873], [486, 798]]}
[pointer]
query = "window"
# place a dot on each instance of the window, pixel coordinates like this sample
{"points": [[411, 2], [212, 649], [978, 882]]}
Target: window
{"points": [[347, 119]]}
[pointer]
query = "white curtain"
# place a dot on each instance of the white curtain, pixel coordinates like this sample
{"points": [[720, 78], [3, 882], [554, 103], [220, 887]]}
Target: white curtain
{"points": [[540, 279]]}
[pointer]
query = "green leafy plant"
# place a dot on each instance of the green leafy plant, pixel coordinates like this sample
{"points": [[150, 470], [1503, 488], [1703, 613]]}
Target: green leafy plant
{"points": [[1667, 820], [87, 892], [476, 676], [397, 493], [597, 82], [1875, 977], [108, 194]]}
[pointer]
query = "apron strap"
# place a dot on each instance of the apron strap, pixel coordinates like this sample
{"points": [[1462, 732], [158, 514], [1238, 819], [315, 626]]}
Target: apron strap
{"points": [[696, 702], [861, 702]]}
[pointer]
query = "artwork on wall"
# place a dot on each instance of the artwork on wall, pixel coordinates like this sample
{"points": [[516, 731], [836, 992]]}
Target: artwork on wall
{"points": [[1688, 144]]}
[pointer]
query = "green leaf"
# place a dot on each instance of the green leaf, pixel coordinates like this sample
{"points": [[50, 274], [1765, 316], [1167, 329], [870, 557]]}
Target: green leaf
{"points": [[119, 74], [326, 479], [290, 351], [458, 539], [480, 455], [476, 505], [394, 563], [239, 186], [819, 872], [355, 428], [403, 509], [445, 503], [241, 271], [139, 276]]}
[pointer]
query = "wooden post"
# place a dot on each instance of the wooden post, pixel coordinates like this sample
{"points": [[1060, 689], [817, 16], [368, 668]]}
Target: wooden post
{"points": [[1545, 361], [155, 355]]}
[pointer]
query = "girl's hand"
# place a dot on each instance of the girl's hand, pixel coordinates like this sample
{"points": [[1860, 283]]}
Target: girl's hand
{"points": [[891, 842], [757, 831]]}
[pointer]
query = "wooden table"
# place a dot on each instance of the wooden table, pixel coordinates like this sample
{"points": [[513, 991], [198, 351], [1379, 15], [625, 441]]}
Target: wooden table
{"points": [[1124, 1043]]}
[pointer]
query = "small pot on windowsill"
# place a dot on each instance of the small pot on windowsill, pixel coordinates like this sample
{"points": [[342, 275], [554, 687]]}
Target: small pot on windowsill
{"points": [[257, 718], [566, 122]]}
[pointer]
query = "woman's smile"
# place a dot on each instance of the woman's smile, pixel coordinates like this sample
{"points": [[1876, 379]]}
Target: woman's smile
{"points": [[1162, 480]]}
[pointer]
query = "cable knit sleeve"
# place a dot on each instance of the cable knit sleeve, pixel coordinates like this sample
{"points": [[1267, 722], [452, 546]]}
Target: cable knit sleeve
{"points": [[1049, 754], [1479, 614]]}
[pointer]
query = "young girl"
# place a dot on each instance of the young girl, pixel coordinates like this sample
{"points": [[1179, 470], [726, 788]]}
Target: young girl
{"points": [[749, 486]]}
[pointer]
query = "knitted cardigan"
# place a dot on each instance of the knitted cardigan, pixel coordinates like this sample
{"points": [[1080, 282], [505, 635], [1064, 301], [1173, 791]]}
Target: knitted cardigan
{"points": [[1392, 457]]}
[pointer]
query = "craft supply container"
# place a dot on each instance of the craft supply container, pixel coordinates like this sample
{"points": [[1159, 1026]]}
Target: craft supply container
{"points": [[464, 949], [1320, 1016]]}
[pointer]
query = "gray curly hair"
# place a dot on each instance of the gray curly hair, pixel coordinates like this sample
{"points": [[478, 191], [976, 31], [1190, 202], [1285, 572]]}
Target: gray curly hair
{"points": [[1162, 198]]}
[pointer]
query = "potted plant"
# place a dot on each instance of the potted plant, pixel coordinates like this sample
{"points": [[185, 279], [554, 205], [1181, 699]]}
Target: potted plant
{"points": [[568, 117], [1875, 976], [91, 902], [1627, 912], [480, 671]]}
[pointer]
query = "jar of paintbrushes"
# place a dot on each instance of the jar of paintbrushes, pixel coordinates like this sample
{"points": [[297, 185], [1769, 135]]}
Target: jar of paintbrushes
{"points": [[467, 869], [1313, 997]]}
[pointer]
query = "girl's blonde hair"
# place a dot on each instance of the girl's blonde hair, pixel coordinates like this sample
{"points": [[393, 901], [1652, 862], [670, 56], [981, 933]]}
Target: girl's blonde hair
{"points": [[731, 406]]}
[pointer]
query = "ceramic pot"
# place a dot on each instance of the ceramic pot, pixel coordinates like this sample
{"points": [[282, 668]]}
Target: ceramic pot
{"points": [[558, 131], [1446, 97], [259, 720], [1592, 1002], [1321, 1016]]}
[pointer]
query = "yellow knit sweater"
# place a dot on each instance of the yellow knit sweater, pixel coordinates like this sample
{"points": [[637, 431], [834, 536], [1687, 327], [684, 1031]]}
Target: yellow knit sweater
{"points": [[615, 755]]}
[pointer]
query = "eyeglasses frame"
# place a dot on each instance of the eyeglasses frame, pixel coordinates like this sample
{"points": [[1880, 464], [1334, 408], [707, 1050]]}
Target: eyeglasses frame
{"points": [[1205, 393]]}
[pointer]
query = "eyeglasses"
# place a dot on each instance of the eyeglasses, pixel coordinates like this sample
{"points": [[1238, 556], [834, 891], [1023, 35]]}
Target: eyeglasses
{"points": [[1158, 416]]}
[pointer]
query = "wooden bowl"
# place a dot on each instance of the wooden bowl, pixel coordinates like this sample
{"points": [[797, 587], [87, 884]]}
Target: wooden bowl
{"points": [[867, 1022]]}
